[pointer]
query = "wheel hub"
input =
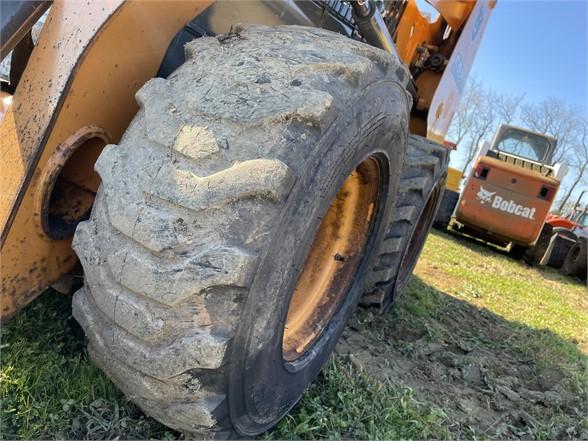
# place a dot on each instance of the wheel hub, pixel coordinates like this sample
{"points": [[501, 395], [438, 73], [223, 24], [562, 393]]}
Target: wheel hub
{"points": [[333, 259]]}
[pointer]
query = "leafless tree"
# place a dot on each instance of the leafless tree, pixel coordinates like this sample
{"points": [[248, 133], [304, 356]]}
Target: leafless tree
{"points": [[480, 112], [508, 107], [555, 117], [578, 162], [465, 116]]}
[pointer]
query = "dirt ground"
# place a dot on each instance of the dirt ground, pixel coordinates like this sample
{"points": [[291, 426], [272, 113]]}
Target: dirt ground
{"points": [[469, 362], [479, 347]]}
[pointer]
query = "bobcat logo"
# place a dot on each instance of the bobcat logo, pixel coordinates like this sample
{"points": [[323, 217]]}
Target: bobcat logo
{"points": [[507, 206], [485, 195]]}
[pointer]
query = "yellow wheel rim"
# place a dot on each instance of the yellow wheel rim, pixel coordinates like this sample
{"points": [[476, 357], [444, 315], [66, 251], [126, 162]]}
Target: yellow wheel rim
{"points": [[333, 259]]}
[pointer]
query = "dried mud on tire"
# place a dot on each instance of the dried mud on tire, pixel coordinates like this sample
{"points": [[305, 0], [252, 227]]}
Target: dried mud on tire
{"points": [[461, 361]]}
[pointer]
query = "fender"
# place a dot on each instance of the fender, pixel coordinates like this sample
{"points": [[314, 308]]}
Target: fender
{"points": [[84, 71]]}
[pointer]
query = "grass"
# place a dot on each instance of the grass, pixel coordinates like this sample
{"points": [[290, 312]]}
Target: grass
{"points": [[539, 298], [463, 293], [346, 403], [49, 388]]}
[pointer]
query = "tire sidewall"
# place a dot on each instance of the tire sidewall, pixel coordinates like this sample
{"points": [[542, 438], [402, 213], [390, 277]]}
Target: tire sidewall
{"points": [[575, 262], [262, 387]]}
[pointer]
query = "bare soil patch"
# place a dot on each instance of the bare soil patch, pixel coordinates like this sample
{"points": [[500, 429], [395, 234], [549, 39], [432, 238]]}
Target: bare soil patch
{"points": [[470, 363]]}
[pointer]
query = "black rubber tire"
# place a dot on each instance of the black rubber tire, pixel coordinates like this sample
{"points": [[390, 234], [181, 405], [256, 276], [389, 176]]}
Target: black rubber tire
{"points": [[534, 254], [576, 260], [517, 251], [421, 190], [207, 210], [446, 208], [559, 245]]}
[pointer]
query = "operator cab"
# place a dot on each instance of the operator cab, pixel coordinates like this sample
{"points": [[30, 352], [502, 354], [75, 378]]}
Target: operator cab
{"points": [[523, 148], [521, 143], [582, 220]]}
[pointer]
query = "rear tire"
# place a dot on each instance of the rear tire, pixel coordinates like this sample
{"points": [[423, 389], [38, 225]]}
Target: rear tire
{"points": [[575, 262], [421, 190], [208, 209], [518, 251], [448, 203], [559, 245], [534, 254]]}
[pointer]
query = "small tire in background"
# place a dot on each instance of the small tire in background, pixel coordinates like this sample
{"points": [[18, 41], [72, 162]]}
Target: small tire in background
{"points": [[558, 248], [421, 190], [446, 208], [576, 260], [534, 254]]}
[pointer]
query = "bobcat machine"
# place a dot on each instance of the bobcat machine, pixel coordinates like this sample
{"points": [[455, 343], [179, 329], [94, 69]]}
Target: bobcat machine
{"points": [[508, 193], [232, 176]]}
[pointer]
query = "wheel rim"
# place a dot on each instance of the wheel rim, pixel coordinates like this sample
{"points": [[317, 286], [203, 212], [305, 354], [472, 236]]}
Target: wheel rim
{"points": [[333, 259]]}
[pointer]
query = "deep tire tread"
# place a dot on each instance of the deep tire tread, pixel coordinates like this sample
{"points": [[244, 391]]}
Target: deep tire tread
{"points": [[425, 167], [167, 269]]}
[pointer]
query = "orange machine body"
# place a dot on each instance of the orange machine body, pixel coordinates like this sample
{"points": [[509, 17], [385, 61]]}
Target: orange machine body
{"points": [[507, 202]]}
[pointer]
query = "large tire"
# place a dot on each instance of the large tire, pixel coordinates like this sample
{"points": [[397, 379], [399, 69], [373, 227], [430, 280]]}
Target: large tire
{"points": [[575, 262], [446, 208], [421, 190], [559, 245], [207, 212]]}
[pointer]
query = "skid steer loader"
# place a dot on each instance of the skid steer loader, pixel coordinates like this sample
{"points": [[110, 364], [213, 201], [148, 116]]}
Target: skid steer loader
{"points": [[230, 190], [508, 193]]}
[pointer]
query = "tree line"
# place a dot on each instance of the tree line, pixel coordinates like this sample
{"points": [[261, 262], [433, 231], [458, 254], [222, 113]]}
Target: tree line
{"points": [[482, 110]]}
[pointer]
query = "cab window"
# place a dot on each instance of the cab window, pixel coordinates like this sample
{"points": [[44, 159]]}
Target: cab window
{"points": [[525, 145]]}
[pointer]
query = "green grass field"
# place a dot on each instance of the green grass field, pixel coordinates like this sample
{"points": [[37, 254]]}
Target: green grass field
{"points": [[481, 346]]}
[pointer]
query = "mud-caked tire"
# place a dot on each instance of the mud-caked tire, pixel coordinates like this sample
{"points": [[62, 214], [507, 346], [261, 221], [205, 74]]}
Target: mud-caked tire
{"points": [[446, 208], [421, 190], [207, 211], [576, 260]]}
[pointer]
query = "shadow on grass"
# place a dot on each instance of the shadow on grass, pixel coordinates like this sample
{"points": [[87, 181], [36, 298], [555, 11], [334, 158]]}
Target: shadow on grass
{"points": [[473, 243]]}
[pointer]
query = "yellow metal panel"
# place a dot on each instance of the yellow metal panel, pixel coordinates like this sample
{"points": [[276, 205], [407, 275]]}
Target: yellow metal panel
{"points": [[453, 179], [80, 74], [64, 37], [414, 30], [455, 12], [449, 89], [438, 95]]}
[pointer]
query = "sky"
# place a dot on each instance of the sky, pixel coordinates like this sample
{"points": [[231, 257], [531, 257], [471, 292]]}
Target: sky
{"points": [[539, 48]]}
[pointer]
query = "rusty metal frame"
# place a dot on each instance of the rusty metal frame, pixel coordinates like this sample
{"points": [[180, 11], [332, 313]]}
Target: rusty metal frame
{"points": [[54, 167]]}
